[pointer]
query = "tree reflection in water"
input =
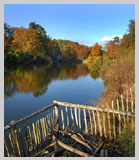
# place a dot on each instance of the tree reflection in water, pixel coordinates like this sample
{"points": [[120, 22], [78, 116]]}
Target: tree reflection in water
{"points": [[35, 79]]}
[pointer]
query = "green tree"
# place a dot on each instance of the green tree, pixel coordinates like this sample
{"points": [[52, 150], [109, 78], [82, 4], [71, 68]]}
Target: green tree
{"points": [[116, 40]]}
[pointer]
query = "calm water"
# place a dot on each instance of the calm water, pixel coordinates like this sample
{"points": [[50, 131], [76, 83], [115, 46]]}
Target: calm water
{"points": [[29, 89]]}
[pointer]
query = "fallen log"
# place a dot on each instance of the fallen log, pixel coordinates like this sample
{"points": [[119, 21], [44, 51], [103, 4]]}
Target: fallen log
{"points": [[39, 153], [74, 150], [77, 139]]}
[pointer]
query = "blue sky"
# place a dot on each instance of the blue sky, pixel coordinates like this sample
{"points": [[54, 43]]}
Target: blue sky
{"points": [[85, 24]]}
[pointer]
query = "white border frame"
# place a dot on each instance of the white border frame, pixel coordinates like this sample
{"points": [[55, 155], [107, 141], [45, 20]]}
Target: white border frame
{"points": [[2, 2]]}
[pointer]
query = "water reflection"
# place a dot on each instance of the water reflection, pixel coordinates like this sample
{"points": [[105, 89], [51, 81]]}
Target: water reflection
{"points": [[35, 79]]}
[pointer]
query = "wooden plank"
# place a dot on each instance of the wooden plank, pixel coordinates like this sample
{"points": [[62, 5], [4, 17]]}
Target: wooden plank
{"points": [[85, 121], [132, 108], [12, 145], [46, 126], [31, 140], [71, 149], [26, 141], [72, 117], [80, 127], [109, 124], [39, 131], [114, 130], [62, 116], [123, 111], [37, 134], [49, 123], [98, 149], [50, 119], [6, 147], [57, 124], [132, 104], [14, 133], [90, 118], [94, 108], [99, 123], [34, 134], [95, 125], [76, 118], [104, 124], [22, 142], [42, 130], [119, 117], [67, 117], [127, 107]]}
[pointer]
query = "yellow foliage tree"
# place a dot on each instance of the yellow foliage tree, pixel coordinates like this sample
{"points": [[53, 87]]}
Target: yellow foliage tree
{"points": [[96, 50]]}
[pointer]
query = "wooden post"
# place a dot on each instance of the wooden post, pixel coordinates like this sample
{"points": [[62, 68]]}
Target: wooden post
{"points": [[31, 140], [34, 134], [76, 118], [94, 122], [99, 123], [119, 117], [14, 133], [42, 128], [53, 118], [62, 116], [85, 121], [114, 131], [72, 118], [67, 117], [37, 134], [131, 100], [57, 117], [26, 141], [104, 125], [22, 142], [123, 110], [80, 119], [47, 131], [109, 125], [127, 105], [6, 147], [90, 118], [39, 131], [12, 145], [132, 109]]}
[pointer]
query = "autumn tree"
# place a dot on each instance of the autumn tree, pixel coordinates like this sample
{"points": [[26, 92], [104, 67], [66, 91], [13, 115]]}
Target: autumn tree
{"points": [[96, 50], [110, 47], [19, 40]]}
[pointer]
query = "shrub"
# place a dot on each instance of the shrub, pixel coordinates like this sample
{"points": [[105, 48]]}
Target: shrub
{"points": [[127, 142]]}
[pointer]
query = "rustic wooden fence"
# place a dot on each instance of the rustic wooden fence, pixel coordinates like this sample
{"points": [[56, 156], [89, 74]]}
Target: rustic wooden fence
{"points": [[33, 139]]}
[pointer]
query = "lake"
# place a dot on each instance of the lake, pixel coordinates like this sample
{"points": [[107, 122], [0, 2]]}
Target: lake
{"points": [[28, 89]]}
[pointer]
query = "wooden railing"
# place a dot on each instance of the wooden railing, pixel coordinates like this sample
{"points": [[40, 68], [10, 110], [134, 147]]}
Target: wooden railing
{"points": [[104, 122]]}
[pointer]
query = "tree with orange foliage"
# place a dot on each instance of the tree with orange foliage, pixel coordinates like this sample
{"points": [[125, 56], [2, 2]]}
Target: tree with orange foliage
{"points": [[96, 50], [110, 47], [28, 41]]}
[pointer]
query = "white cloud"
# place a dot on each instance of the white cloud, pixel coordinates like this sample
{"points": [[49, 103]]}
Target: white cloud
{"points": [[109, 38]]}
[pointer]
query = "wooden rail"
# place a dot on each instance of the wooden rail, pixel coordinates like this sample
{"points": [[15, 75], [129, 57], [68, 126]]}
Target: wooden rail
{"points": [[14, 123], [97, 108]]}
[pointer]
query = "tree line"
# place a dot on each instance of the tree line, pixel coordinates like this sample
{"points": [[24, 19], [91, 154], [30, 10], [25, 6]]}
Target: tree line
{"points": [[32, 44]]}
